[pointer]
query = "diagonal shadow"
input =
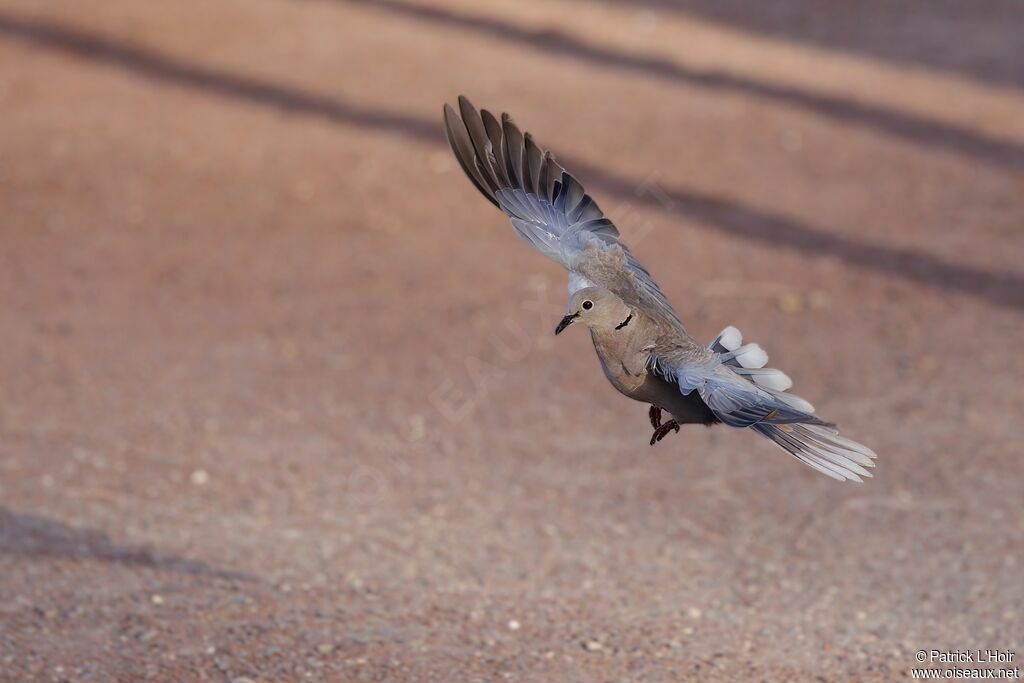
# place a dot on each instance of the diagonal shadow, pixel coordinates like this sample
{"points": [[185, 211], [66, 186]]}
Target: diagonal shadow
{"points": [[158, 67], [916, 32], [166, 69], [909, 127], [775, 230], [36, 536], [1003, 289]]}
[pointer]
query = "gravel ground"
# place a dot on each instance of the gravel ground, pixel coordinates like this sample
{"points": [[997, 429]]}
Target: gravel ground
{"points": [[279, 399]]}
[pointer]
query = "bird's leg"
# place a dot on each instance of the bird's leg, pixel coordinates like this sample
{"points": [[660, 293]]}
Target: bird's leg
{"points": [[662, 430], [655, 415]]}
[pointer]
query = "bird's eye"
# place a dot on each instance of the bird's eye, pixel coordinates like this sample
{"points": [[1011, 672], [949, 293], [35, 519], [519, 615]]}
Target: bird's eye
{"points": [[587, 305]]}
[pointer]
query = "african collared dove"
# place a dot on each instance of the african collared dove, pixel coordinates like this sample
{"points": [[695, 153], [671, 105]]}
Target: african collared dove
{"points": [[644, 350]]}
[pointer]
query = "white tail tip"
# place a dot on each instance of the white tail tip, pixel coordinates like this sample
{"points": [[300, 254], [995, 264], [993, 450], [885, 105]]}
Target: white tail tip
{"points": [[751, 356], [730, 338]]}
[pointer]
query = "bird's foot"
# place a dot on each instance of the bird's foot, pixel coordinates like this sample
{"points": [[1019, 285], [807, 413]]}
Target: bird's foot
{"points": [[662, 430], [655, 415]]}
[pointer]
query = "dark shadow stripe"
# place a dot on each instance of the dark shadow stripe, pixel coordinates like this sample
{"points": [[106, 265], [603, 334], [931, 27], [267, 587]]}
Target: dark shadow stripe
{"points": [[144, 62], [916, 33], [1003, 289], [909, 127], [34, 536]]}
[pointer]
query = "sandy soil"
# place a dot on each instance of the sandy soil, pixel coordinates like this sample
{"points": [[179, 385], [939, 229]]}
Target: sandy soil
{"points": [[279, 399]]}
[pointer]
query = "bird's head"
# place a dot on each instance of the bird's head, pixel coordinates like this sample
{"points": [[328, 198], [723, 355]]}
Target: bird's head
{"points": [[597, 308]]}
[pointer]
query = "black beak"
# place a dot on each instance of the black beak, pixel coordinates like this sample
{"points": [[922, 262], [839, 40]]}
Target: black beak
{"points": [[566, 321]]}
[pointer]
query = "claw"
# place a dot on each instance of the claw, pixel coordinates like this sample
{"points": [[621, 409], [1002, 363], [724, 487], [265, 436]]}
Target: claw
{"points": [[655, 415], [662, 431]]}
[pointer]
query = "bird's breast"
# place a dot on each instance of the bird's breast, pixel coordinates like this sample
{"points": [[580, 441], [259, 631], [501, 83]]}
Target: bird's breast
{"points": [[625, 369]]}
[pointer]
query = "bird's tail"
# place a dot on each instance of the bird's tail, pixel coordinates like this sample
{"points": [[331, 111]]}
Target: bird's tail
{"points": [[748, 361], [822, 448], [815, 444]]}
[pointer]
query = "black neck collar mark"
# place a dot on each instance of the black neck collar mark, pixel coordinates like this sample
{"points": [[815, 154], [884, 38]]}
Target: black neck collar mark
{"points": [[624, 322]]}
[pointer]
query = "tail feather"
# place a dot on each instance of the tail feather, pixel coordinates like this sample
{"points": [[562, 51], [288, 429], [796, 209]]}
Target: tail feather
{"points": [[820, 437], [748, 356], [816, 445], [728, 339], [817, 451], [793, 401], [749, 360], [769, 378]]}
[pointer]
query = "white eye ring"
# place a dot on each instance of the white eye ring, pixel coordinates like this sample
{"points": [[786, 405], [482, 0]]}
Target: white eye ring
{"points": [[587, 305]]}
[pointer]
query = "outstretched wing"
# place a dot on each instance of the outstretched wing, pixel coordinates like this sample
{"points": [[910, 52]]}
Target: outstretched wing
{"points": [[548, 207], [732, 381]]}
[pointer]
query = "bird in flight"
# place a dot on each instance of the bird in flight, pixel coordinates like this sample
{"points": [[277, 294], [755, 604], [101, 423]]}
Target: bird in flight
{"points": [[643, 347]]}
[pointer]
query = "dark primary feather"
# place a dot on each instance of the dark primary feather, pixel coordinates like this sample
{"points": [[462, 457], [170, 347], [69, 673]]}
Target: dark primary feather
{"points": [[498, 156], [548, 207], [462, 146]]}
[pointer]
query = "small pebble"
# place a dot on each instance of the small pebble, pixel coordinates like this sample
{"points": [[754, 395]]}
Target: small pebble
{"points": [[790, 303], [325, 648], [513, 625], [157, 600], [592, 646], [199, 477]]}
